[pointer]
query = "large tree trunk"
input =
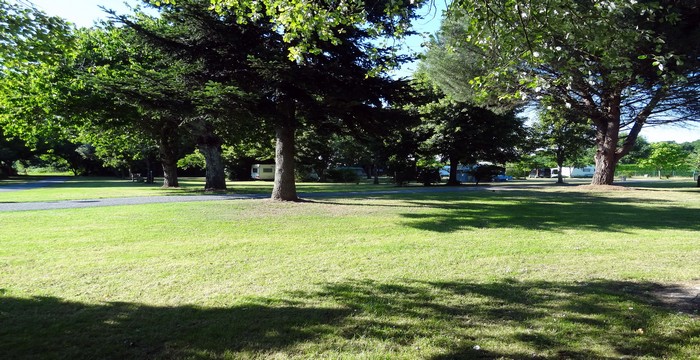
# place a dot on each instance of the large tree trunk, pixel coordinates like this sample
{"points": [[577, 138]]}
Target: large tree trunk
{"points": [[285, 186], [216, 174], [169, 172], [606, 156], [209, 145], [608, 133], [167, 147], [452, 181]]}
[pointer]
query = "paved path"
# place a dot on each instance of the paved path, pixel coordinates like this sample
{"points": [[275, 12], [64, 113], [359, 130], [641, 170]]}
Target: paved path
{"points": [[70, 204], [33, 184]]}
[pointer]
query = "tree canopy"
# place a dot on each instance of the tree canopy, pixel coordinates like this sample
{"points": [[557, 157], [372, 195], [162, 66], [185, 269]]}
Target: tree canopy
{"points": [[306, 25], [32, 44], [666, 156], [622, 64]]}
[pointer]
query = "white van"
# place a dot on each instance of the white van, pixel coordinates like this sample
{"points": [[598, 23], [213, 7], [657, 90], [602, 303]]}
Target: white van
{"points": [[262, 172]]}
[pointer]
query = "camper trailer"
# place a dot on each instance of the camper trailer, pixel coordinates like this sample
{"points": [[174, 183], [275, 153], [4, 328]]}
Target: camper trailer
{"points": [[572, 172], [262, 172]]}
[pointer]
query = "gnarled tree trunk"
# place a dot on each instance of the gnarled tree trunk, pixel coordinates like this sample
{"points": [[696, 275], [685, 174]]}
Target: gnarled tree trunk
{"points": [[607, 136], [608, 153], [216, 175], [209, 145]]}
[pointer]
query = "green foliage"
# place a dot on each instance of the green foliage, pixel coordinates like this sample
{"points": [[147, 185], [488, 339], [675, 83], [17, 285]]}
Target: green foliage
{"points": [[32, 46], [638, 152], [694, 160], [467, 133], [564, 135], [194, 160], [523, 40], [622, 64], [666, 156], [341, 175], [306, 25], [28, 36], [527, 162]]}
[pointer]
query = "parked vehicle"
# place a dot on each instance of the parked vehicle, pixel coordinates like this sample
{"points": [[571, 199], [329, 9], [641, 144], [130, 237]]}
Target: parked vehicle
{"points": [[262, 172], [540, 173], [572, 172], [502, 177]]}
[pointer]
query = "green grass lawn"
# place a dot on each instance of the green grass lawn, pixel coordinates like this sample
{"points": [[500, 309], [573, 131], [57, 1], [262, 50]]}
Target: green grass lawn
{"points": [[548, 272], [78, 188]]}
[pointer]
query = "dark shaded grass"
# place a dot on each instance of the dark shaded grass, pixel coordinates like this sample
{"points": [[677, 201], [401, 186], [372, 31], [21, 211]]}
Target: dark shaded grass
{"points": [[541, 210], [540, 319]]}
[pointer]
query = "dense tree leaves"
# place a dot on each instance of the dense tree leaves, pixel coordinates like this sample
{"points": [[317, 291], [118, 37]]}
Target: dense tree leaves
{"points": [[666, 156], [461, 132], [464, 133], [29, 36], [32, 45], [306, 26], [327, 89], [122, 83], [639, 151]]}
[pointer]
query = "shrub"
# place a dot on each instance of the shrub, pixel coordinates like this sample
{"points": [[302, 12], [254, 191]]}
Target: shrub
{"points": [[342, 176], [428, 176], [305, 174]]}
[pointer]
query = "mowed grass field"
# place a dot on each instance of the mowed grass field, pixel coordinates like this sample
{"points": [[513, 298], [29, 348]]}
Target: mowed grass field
{"points": [[542, 272], [77, 188]]}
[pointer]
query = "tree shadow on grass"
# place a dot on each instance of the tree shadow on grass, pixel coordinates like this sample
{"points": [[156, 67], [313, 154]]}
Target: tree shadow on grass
{"points": [[548, 212], [47, 327], [459, 319], [511, 319]]}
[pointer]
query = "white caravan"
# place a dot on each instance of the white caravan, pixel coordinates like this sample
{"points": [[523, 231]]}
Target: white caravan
{"points": [[572, 172], [262, 172]]}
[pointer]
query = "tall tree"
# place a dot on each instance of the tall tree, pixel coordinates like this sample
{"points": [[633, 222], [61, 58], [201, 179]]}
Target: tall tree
{"points": [[623, 64], [32, 45], [563, 135], [464, 133], [220, 49], [327, 85], [461, 132], [120, 82]]}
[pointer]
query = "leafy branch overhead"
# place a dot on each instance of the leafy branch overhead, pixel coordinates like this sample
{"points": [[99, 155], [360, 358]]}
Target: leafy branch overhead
{"points": [[306, 24]]}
